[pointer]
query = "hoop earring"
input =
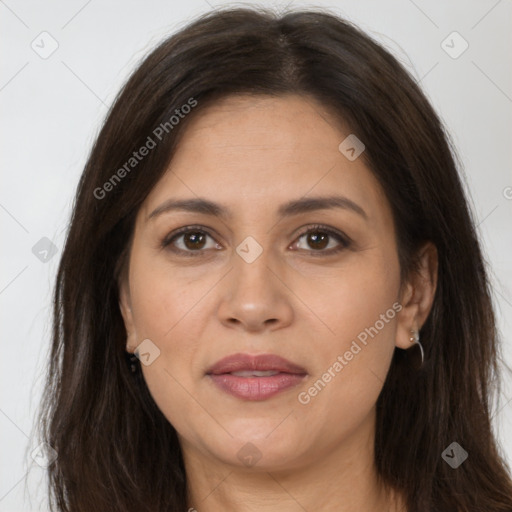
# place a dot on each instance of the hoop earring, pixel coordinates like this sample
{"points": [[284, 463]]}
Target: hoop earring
{"points": [[416, 352]]}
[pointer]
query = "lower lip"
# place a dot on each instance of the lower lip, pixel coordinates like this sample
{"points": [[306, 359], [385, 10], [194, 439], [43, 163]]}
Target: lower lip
{"points": [[256, 388]]}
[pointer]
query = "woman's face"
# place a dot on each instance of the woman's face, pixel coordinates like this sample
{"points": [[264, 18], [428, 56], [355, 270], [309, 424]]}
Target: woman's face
{"points": [[252, 281]]}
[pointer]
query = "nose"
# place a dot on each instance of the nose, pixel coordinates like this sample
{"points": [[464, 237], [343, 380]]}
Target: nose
{"points": [[255, 297]]}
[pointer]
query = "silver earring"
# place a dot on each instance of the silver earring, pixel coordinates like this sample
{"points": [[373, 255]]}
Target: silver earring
{"points": [[416, 352]]}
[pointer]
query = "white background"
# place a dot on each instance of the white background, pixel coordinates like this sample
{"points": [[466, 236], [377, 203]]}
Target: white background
{"points": [[51, 110]]}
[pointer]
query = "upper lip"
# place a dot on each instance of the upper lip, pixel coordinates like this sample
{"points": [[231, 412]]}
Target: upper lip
{"points": [[262, 362]]}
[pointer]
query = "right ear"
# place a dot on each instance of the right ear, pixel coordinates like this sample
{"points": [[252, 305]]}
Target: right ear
{"points": [[126, 311]]}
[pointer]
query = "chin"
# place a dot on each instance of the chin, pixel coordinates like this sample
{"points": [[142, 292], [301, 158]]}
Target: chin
{"points": [[259, 447]]}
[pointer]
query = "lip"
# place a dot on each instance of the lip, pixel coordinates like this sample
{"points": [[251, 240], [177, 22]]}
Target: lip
{"points": [[261, 362], [252, 387]]}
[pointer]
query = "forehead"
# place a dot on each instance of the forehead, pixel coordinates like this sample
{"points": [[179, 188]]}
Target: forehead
{"points": [[251, 152], [258, 124]]}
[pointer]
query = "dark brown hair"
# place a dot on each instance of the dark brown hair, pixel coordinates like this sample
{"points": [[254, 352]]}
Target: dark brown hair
{"points": [[116, 450]]}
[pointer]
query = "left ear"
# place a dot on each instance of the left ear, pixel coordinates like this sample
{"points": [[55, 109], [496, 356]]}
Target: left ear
{"points": [[417, 295]]}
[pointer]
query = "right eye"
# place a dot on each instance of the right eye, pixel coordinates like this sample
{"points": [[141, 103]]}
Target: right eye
{"points": [[192, 240]]}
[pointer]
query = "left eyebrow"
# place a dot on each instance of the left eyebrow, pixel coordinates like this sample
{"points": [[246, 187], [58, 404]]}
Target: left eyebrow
{"points": [[294, 207], [310, 204]]}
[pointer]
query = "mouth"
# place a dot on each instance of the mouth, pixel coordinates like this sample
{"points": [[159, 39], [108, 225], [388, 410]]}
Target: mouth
{"points": [[255, 377]]}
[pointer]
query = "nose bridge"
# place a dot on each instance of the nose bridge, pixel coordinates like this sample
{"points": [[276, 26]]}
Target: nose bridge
{"points": [[251, 263], [255, 297]]}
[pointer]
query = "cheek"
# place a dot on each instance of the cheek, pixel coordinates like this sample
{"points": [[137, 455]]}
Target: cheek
{"points": [[361, 309], [353, 298], [165, 296], [365, 306], [168, 309]]}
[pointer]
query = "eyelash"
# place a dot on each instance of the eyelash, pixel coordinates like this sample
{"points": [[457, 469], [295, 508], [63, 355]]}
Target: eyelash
{"points": [[344, 240]]}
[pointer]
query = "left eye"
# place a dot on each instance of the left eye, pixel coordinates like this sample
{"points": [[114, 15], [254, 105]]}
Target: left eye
{"points": [[319, 239], [193, 240]]}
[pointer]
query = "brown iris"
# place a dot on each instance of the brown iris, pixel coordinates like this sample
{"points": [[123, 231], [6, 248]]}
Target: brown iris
{"points": [[194, 240], [317, 241]]}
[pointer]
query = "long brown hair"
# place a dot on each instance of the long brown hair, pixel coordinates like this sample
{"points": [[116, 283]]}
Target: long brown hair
{"points": [[116, 450]]}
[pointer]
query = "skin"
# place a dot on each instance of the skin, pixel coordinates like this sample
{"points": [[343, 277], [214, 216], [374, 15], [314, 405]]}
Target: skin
{"points": [[252, 154]]}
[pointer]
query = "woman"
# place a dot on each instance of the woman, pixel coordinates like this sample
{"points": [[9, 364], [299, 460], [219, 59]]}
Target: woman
{"points": [[272, 295]]}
